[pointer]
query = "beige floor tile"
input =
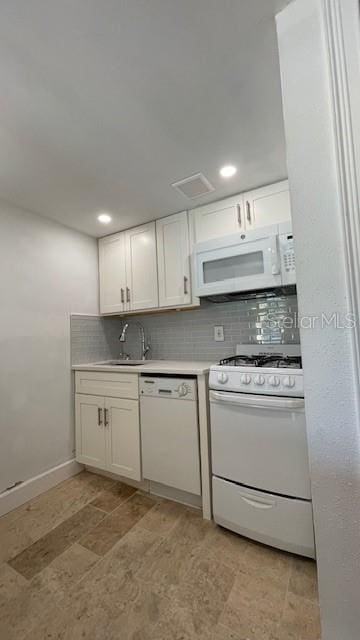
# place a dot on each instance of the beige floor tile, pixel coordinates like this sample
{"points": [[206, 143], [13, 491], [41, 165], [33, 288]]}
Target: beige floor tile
{"points": [[272, 564], [113, 496], [163, 517], [124, 559], [171, 559], [303, 578], [21, 613], [14, 538], [152, 617], [204, 591], [101, 539], [27, 524], [132, 552], [254, 607], [42, 552], [300, 620], [103, 594], [149, 570], [190, 528], [65, 572], [57, 624], [223, 633], [11, 584], [226, 545]]}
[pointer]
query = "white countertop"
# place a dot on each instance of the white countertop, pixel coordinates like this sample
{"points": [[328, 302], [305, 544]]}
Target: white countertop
{"points": [[151, 366]]}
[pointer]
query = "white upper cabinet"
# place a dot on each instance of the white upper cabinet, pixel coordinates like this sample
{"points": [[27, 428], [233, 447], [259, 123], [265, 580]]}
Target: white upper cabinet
{"points": [[218, 219], [148, 267], [112, 273], [250, 210], [141, 268], [173, 260], [267, 205]]}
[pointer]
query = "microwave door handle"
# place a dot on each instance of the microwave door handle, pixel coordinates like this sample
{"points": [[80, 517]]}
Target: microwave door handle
{"points": [[275, 261], [257, 401]]}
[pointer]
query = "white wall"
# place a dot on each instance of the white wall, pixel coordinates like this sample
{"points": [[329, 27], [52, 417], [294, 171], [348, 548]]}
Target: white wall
{"points": [[308, 33], [47, 271]]}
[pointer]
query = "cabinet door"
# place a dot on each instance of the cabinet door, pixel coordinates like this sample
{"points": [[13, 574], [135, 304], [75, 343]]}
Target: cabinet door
{"points": [[122, 427], [112, 273], [172, 235], [90, 432], [218, 219], [141, 268], [267, 205]]}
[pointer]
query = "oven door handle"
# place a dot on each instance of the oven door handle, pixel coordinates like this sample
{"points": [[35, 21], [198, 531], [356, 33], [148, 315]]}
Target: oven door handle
{"points": [[257, 401]]}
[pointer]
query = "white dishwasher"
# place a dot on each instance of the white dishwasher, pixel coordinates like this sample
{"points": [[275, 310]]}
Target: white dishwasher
{"points": [[170, 432]]}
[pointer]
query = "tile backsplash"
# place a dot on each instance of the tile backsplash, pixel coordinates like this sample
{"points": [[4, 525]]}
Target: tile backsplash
{"points": [[188, 335]]}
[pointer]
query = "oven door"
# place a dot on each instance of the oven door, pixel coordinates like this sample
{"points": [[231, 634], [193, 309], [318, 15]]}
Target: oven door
{"points": [[260, 442], [237, 263]]}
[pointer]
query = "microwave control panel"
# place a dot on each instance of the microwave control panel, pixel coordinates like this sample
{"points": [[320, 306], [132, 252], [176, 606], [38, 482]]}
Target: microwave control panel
{"points": [[287, 255]]}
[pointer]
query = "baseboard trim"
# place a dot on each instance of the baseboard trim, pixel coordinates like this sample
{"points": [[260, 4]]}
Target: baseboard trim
{"points": [[33, 487]]}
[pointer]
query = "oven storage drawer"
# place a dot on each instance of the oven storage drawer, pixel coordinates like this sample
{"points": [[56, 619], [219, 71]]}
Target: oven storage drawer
{"points": [[281, 522]]}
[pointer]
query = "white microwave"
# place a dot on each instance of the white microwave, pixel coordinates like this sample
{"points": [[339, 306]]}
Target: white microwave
{"points": [[259, 259]]}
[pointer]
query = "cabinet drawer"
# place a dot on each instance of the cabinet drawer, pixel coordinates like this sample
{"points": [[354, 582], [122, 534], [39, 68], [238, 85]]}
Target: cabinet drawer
{"points": [[281, 522], [113, 385]]}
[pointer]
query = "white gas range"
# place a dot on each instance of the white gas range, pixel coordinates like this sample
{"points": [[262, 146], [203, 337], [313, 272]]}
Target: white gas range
{"points": [[261, 482]]}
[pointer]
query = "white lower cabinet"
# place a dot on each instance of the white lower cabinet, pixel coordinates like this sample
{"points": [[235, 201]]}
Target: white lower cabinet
{"points": [[90, 432], [108, 434], [123, 437]]}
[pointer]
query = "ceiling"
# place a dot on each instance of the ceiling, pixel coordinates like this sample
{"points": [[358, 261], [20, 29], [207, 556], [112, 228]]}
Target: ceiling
{"points": [[105, 103]]}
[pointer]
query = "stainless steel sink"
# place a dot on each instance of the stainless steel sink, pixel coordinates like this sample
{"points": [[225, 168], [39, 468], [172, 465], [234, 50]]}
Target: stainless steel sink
{"points": [[121, 363]]}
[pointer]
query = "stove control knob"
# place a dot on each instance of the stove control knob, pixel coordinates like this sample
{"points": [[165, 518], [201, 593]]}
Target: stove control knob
{"points": [[274, 381], [245, 378], [259, 380], [289, 381], [222, 377]]}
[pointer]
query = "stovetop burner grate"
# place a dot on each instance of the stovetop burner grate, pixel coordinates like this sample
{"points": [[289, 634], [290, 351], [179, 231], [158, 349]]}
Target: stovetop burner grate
{"points": [[278, 361]]}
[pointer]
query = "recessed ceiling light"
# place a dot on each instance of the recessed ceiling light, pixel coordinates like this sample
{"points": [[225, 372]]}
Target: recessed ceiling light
{"points": [[228, 171], [104, 218]]}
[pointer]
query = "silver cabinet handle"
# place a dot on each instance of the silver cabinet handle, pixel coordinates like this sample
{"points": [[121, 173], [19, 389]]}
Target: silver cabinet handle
{"points": [[186, 285], [100, 419], [122, 296], [127, 294], [238, 208], [106, 418], [248, 211]]}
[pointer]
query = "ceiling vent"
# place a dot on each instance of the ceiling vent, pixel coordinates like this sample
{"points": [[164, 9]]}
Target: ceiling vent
{"points": [[194, 186]]}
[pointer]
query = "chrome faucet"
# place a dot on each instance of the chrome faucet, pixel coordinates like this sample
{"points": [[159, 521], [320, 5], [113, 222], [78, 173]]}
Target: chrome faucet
{"points": [[145, 348]]}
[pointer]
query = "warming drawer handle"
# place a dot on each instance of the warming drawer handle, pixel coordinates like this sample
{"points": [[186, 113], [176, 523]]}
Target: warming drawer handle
{"points": [[258, 503]]}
